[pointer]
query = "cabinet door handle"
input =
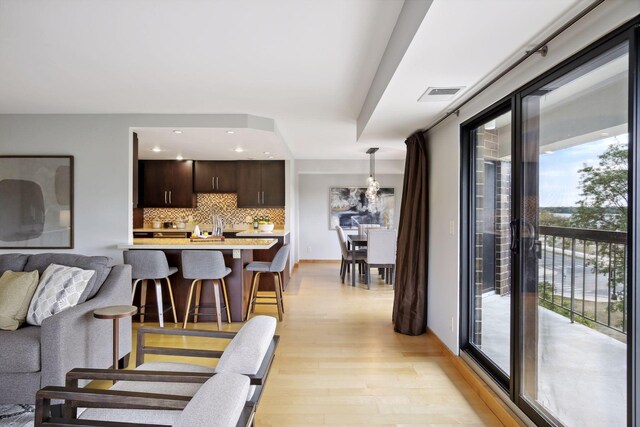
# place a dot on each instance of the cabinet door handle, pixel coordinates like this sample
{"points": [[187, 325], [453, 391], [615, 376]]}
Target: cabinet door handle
{"points": [[263, 197], [170, 198], [217, 183], [258, 197], [213, 183], [165, 197]]}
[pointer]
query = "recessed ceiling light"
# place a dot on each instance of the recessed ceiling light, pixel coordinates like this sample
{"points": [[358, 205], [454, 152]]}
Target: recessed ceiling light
{"points": [[177, 131], [179, 157], [605, 134], [548, 151], [238, 150], [230, 132], [156, 149], [266, 152], [271, 157]]}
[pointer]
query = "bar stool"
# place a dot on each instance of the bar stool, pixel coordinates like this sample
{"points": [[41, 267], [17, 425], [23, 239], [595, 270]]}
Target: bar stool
{"points": [[275, 267], [151, 265], [205, 265]]}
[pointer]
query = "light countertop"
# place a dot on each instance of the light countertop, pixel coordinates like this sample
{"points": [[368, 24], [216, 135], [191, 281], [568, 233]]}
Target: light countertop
{"points": [[278, 232], [171, 243], [188, 229]]}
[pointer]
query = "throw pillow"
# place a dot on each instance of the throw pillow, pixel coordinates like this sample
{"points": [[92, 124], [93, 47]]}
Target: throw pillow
{"points": [[16, 291], [59, 289]]}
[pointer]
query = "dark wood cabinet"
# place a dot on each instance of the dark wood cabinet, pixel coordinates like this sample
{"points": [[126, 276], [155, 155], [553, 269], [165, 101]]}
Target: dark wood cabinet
{"points": [[261, 184], [249, 180], [214, 177], [135, 170], [273, 183], [166, 184]]}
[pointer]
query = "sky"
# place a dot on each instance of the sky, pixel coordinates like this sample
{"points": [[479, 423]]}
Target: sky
{"points": [[559, 176]]}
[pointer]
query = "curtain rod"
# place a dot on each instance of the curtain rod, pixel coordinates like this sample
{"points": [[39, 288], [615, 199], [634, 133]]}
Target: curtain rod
{"points": [[540, 47]]}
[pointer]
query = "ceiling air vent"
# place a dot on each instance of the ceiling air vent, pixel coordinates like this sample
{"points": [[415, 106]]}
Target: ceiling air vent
{"points": [[434, 94]]}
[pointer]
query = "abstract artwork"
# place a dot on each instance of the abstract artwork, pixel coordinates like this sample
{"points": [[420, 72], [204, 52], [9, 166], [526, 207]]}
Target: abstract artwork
{"points": [[36, 209], [348, 207]]}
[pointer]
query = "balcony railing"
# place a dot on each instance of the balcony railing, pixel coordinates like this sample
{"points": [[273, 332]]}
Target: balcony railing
{"points": [[584, 275]]}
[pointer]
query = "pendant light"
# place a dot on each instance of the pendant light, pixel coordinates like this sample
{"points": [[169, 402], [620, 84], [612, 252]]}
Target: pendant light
{"points": [[373, 186]]}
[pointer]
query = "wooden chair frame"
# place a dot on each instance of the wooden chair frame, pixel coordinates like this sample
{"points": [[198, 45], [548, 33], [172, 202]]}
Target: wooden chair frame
{"points": [[279, 290], [74, 396]]}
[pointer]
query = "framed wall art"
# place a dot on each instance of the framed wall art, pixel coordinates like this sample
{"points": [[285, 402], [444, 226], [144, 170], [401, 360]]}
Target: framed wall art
{"points": [[36, 202], [349, 206]]}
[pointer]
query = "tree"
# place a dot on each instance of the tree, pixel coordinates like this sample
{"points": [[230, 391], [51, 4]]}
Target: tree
{"points": [[603, 206], [605, 193]]}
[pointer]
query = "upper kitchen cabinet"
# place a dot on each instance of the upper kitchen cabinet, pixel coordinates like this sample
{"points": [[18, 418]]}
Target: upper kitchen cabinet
{"points": [[167, 184], [260, 184], [214, 177]]}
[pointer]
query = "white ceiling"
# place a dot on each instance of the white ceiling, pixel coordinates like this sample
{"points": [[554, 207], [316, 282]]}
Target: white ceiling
{"points": [[210, 143], [459, 43], [307, 64]]}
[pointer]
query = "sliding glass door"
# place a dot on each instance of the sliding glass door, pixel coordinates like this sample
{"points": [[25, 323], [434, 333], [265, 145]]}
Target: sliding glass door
{"points": [[550, 240], [573, 251], [491, 289]]}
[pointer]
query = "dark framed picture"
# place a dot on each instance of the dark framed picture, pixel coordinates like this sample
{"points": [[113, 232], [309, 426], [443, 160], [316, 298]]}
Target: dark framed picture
{"points": [[349, 206], [36, 202]]}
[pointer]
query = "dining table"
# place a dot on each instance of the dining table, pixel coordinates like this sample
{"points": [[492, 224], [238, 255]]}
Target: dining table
{"points": [[355, 241]]}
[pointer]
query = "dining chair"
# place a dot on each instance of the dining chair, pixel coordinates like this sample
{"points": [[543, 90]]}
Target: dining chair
{"points": [[381, 253], [347, 254], [364, 228]]}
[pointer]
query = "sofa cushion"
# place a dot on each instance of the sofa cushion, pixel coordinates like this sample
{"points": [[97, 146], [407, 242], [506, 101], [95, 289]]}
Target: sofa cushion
{"points": [[16, 291], [100, 264], [13, 262], [20, 350], [60, 288]]}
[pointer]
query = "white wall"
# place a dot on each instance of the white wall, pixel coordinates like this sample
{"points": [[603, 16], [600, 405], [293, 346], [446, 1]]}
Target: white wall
{"points": [[316, 240], [101, 145], [313, 180], [444, 173]]}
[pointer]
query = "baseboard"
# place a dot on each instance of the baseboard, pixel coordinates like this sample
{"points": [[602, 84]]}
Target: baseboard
{"points": [[488, 396]]}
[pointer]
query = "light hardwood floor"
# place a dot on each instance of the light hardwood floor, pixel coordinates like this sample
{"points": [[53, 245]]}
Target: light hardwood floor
{"points": [[340, 363]]}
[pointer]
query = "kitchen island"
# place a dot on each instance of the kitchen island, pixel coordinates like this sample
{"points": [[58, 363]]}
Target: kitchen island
{"points": [[237, 254]]}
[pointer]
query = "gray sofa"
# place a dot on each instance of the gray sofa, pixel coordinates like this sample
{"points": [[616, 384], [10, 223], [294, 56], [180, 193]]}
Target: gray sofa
{"points": [[33, 357]]}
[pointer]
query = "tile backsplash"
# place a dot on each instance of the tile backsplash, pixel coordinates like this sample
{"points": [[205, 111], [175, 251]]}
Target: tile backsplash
{"points": [[222, 204]]}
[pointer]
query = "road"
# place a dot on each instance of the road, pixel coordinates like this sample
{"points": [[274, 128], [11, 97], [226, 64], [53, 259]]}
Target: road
{"points": [[584, 277]]}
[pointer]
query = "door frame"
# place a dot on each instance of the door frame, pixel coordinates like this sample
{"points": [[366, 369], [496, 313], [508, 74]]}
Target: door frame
{"points": [[630, 32]]}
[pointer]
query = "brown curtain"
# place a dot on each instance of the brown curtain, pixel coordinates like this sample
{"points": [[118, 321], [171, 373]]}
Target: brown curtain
{"points": [[410, 302]]}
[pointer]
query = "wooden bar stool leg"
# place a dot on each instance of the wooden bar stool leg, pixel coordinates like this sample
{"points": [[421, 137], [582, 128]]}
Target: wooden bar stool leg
{"points": [[278, 300], [216, 294], [133, 290], [226, 299], [173, 305], [188, 308], [143, 299], [250, 304], [159, 302], [254, 295], [279, 284], [197, 307]]}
